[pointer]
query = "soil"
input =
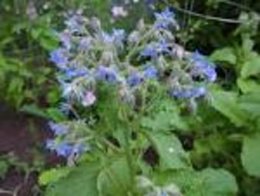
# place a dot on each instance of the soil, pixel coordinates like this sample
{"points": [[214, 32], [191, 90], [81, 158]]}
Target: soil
{"points": [[24, 137]]}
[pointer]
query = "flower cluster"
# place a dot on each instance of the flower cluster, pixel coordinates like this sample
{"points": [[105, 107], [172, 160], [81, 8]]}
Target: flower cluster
{"points": [[89, 57], [66, 144]]}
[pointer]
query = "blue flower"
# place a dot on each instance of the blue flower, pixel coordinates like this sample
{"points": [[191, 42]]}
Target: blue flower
{"points": [[188, 93], [164, 19], [75, 23], [79, 148], [134, 79], [154, 49], [59, 129], [202, 67], [106, 74], [149, 51], [65, 38], [61, 148], [117, 37], [50, 144], [85, 43], [59, 57], [64, 149], [150, 72], [107, 38], [72, 72]]}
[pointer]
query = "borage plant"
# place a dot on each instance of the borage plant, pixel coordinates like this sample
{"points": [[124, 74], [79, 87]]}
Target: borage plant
{"points": [[125, 95]]}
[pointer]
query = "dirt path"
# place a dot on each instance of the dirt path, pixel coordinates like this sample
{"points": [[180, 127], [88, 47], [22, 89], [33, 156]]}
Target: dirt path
{"points": [[24, 137]]}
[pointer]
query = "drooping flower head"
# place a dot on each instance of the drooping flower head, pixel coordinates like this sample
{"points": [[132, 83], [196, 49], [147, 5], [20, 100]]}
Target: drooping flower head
{"points": [[164, 19], [188, 92], [76, 22], [202, 67], [73, 72], [106, 74], [66, 149], [85, 44], [150, 72], [116, 37], [58, 129], [60, 57], [154, 49], [134, 79], [66, 39]]}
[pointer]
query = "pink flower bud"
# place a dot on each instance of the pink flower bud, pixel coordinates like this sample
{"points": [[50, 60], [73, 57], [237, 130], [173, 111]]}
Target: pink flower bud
{"points": [[88, 99]]}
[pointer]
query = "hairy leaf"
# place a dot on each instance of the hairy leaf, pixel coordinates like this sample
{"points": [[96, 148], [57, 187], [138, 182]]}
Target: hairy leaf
{"points": [[224, 55], [171, 153], [82, 181], [251, 68], [208, 182], [53, 175], [251, 154], [114, 178], [227, 104]]}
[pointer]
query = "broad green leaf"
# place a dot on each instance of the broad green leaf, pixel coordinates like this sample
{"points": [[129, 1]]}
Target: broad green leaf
{"points": [[53, 175], [227, 104], [208, 182], [251, 154], [251, 104], [218, 182], [247, 45], [114, 179], [251, 68], [205, 148], [81, 181], [164, 121], [186, 180], [248, 85], [169, 148], [224, 55]]}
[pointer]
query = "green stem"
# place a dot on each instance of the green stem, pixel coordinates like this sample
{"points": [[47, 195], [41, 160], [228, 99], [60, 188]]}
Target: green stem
{"points": [[127, 148]]}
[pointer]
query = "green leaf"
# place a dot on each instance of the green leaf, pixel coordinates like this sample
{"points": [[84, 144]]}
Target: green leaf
{"points": [[208, 182], [218, 182], [81, 181], [115, 179], [247, 45], [224, 55], [251, 104], [53, 96], [55, 114], [227, 104], [248, 85], [171, 153], [251, 154], [251, 68], [53, 175], [34, 110], [186, 180], [164, 121]]}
